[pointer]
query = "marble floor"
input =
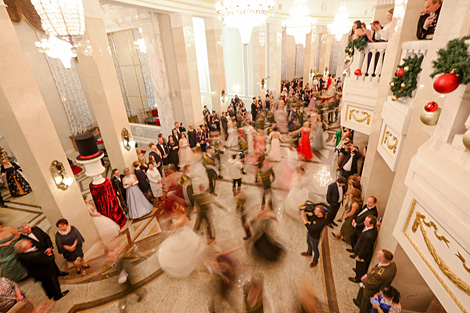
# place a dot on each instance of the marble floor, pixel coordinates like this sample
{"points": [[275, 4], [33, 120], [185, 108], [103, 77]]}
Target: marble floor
{"points": [[97, 290]]}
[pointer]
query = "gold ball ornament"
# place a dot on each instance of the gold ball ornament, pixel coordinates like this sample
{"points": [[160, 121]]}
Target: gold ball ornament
{"points": [[392, 84], [406, 68], [403, 85], [394, 98], [351, 50], [466, 139], [430, 118]]}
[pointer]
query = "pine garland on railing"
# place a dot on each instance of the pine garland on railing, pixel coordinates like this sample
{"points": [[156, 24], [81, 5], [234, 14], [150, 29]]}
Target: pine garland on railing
{"points": [[405, 79], [454, 63], [359, 43]]}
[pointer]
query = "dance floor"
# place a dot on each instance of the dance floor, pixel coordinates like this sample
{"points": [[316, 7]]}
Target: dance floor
{"points": [[97, 290]]}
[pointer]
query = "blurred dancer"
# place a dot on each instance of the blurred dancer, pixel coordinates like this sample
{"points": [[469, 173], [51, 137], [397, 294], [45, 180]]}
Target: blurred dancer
{"points": [[265, 173], [203, 200], [209, 163], [241, 200], [235, 167]]}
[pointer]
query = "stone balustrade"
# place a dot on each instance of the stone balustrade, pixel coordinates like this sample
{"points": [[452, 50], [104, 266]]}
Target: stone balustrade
{"points": [[370, 62]]}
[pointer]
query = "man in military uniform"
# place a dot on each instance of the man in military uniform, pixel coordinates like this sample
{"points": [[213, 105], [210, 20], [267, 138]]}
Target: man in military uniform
{"points": [[209, 163], [218, 150], [203, 202], [242, 148], [428, 20], [265, 172], [381, 275], [241, 200]]}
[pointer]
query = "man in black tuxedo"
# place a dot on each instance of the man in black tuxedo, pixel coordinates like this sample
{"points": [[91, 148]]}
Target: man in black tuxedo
{"points": [[224, 121], [349, 164], [163, 149], [156, 155], [41, 266], [254, 109], [177, 127], [116, 180], [364, 248], [40, 240], [181, 128], [334, 197], [358, 222]]}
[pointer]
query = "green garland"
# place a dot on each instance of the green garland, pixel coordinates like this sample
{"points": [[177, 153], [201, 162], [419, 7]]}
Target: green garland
{"points": [[454, 59], [409, 77], [359, 43]]}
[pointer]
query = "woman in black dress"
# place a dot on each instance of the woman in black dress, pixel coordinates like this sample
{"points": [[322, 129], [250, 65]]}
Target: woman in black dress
{"points": [[173, 148], [69, 243], [17, 185]]}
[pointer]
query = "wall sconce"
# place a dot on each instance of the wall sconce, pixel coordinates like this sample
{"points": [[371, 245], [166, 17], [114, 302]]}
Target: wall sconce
{"points": [[127, 141], [262, 85], [61, 179], [311, 74]]}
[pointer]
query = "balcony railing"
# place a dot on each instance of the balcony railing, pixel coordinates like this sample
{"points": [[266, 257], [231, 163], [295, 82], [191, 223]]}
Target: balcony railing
{"points": [[370, 62]]}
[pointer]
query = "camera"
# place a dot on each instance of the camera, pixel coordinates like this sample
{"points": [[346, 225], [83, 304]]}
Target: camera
{"points": [[309, 207]]}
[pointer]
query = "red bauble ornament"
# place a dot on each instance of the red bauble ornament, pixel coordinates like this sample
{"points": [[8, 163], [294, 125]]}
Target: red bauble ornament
{"points": [[446, 83], [431, 106], [357, 72], [400, 72]]}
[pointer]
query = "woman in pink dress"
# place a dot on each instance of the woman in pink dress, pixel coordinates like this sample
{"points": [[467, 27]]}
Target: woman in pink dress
{"points": [[304, 149]]}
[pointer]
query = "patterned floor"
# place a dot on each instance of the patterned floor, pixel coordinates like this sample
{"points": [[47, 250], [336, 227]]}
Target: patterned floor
{"points": [[96, 290]]}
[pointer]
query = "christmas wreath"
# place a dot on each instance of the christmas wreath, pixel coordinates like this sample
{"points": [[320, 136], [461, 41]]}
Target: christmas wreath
{"points": [[359, 43], [405, 79], [454, 63]]}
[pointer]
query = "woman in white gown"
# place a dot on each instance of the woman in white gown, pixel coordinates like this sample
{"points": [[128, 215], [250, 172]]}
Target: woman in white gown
{"points": [[182, 252], [275, 149], [198, 172], [298, 194], [232, 139], [287, 169], [184, 152], [106, 227], [317, 141], [155, 180], [137, 203], [281, 118], [249, 131]]}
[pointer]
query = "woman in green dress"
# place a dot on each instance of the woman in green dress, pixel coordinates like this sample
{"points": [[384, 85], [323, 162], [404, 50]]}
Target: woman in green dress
{"points": [[11, 268]]}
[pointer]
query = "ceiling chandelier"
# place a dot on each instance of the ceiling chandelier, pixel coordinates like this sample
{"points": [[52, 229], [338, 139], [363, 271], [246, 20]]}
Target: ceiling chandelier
{"points": [[299, 24], [244, 15], [341, 24], [63, 20]]}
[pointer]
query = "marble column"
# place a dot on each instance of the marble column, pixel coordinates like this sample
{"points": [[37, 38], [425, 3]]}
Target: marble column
{"points": [[101, 86], [215, 54], [185, 52], [28, 128], [258, 60], [328, 52], [290, 57], [274, 58], [307, 58]]}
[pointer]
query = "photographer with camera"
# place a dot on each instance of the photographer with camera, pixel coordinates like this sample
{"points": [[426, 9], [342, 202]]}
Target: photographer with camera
{"points": [[348, 164], [315, 225]]}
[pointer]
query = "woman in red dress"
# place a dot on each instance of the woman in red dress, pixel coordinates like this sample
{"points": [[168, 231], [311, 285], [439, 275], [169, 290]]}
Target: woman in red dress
{"points": [[304, 149]]}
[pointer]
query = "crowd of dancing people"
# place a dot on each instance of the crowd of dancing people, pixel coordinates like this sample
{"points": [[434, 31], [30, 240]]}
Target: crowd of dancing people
{"points": [[178, 179]]}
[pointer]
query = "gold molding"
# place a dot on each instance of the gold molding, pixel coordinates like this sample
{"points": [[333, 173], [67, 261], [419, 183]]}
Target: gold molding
{"points": [[425, 260], [420, 217], [366, 115], [386, 141], [461, 258]]}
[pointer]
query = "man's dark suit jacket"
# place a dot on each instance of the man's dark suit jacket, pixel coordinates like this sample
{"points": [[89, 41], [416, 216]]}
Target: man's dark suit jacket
{"points": [[182, 129], [364, 247], [332, 195], [163, 151], [192, 138], [44, 239], [254, 111], [39, 265], [359, 219], [224, 121], [117, 185]]}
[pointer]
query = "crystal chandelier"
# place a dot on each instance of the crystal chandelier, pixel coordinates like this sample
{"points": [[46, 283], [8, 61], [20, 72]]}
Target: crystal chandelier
{"points": [[244, 15], [64, 20], [341, 24], [299, 24]]}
